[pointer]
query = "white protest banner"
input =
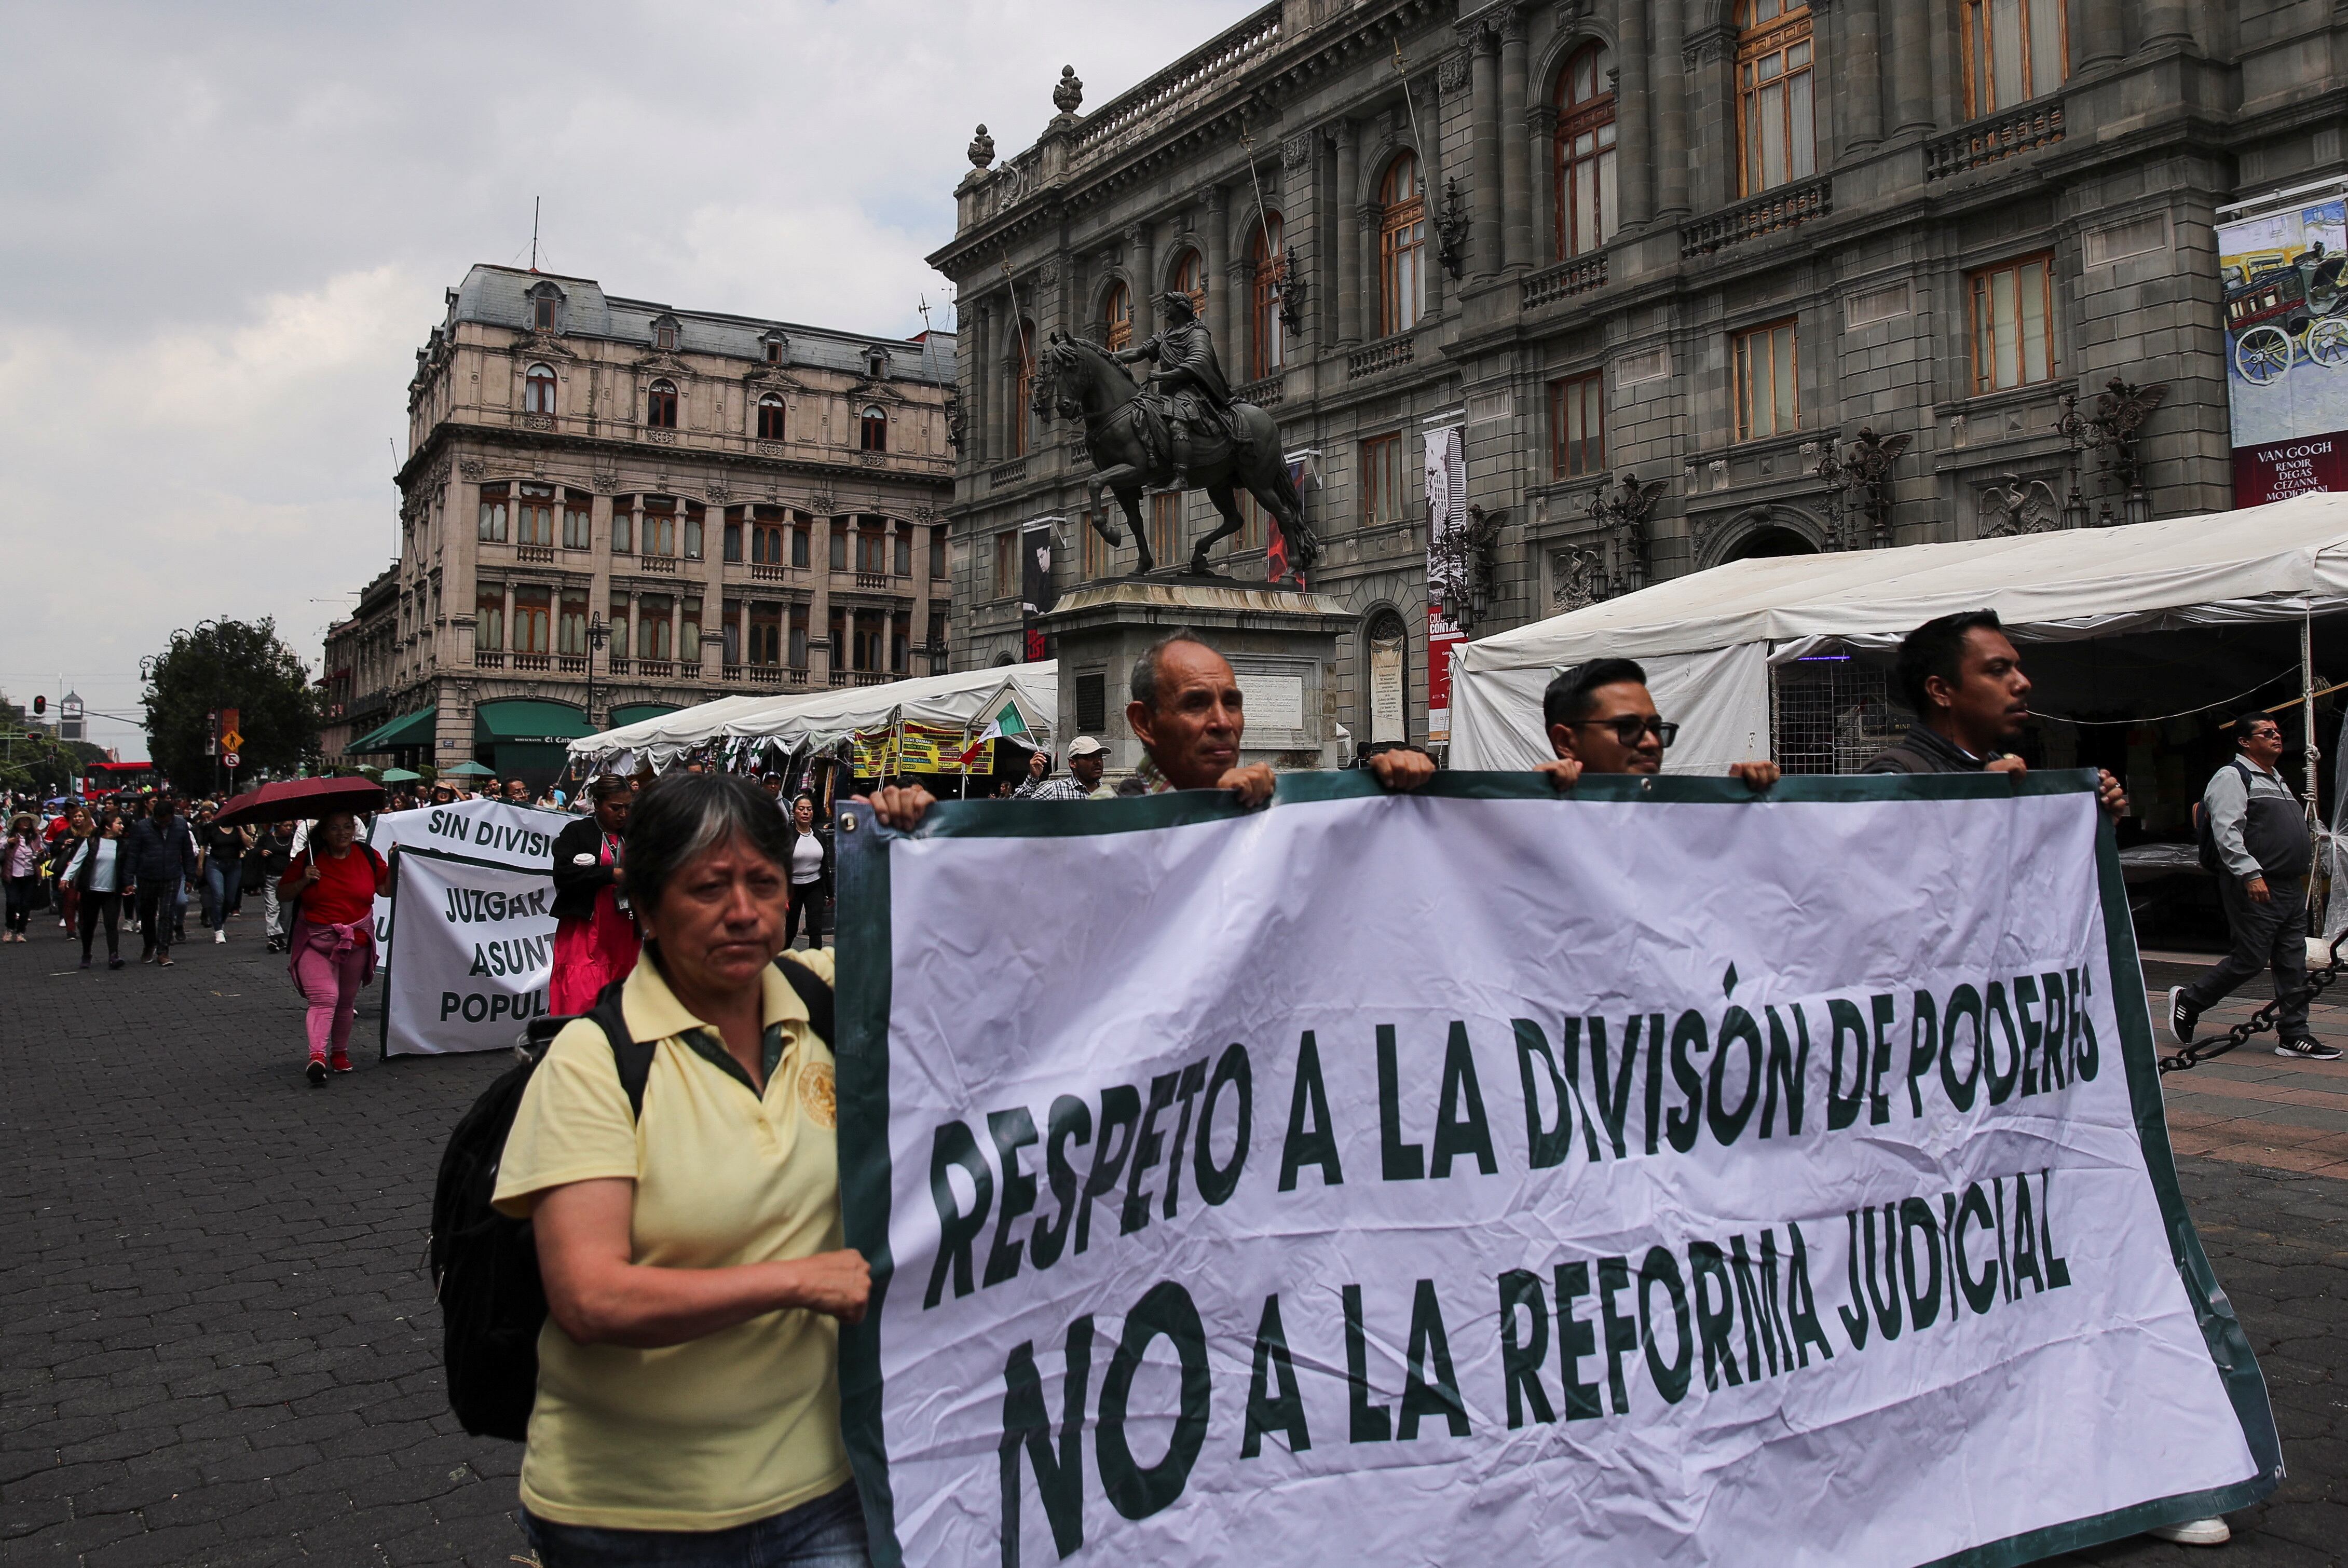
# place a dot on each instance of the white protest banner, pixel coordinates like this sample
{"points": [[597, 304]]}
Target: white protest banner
{"points": [[519, 835], [476, 953], [1651, 1173]]}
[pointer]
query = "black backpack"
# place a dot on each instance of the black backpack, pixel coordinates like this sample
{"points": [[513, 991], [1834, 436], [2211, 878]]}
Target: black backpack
{"points": [[2205, 836], [484, 1264]]}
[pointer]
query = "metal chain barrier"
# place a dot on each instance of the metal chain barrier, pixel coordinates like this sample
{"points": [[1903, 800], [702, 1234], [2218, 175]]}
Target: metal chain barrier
{"points": [[2258, 1022]]}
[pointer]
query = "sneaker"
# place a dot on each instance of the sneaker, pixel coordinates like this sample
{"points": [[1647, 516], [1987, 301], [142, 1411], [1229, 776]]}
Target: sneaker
{"points": [[340, 1064], [316, 1071], [2307, 1050], [115, 960], [219, 936], [2210, 1531], [2183, 1016], [84, 963]]}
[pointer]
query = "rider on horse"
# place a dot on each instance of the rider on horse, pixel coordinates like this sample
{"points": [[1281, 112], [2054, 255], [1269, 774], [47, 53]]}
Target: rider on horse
{"points": [[1193, 404]]}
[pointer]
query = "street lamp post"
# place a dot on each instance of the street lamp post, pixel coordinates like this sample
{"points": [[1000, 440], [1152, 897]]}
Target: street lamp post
{"points": [[598, 634]]}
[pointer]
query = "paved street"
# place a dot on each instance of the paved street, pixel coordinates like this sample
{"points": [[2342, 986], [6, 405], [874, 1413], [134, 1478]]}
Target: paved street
{"points": [[217, 1346]]}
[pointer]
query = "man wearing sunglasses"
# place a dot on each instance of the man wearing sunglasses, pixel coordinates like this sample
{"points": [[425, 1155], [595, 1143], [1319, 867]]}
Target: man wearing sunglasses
{"points": [[1601, 720]]}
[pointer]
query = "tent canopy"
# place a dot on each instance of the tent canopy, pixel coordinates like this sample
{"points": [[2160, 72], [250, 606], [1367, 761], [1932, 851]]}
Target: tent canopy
{"points": [[1707, 639], [821, 718]]}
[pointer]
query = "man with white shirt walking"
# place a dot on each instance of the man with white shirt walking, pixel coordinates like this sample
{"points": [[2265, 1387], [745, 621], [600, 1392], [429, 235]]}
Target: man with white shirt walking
{"points": [[2255, 830]]}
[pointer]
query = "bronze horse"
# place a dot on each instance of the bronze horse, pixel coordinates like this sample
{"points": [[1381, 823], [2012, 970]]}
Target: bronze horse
{"points": [[1078, 380]]}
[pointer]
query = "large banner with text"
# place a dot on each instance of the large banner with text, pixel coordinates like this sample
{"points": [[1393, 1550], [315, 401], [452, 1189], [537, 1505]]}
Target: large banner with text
{"points": [[476, 943], [521, 837], [1651, 1173]]}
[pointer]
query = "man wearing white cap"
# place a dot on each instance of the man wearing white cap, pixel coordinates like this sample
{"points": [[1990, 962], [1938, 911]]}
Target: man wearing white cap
{"points": [[1086, 759]]}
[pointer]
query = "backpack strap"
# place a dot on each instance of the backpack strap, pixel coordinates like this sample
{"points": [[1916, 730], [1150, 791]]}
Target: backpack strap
{"points": [[633, 1057], [813, 992]]}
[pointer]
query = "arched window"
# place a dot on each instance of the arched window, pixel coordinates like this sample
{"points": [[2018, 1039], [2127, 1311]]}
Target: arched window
{"points": [[1117, 317], [537, 390], [1270, 341], [872, 429], [1190, 278], [1777, 125], [770, 418], [1402, 246], [1585, 152], [660, 405], [1023, 385]]}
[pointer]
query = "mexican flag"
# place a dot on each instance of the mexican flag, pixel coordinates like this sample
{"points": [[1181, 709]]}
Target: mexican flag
{"points": [[1008, 723]]}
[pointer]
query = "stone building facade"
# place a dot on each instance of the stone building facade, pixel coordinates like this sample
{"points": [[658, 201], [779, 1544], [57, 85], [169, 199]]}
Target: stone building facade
{"points": [[671, 505], [357, 678], [1698, 245]]}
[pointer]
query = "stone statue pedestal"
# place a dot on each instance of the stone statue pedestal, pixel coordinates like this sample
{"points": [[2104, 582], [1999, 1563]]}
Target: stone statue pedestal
{"points": [[1283, 645]]}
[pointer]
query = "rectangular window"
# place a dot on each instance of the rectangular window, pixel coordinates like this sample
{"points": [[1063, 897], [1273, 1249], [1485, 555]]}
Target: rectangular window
{"points": [[731, 631], [652, 626], [1777, 126], [1381, 480], [798, 649], [839, 546], [733, 537], [2014, 50], [531, 612], [534, 516], [839, 642], [800, 545], [901, 558], [1767, 402], [619, 624], [937, 643], [901, 639], [1577, 426], [659, 529], [1006, 565], [489, 619], [937, 555], [493, 514], [1095, 556], [688, 634], [692, 516], [577, 522], [871, 550], [2012, 346], [1165, 528], [623, 525], [571, 625], [765, 634]]}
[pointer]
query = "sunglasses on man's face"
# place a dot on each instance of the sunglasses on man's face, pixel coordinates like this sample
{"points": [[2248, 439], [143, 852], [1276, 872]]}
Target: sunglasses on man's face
{"points": [[1631, 726]]}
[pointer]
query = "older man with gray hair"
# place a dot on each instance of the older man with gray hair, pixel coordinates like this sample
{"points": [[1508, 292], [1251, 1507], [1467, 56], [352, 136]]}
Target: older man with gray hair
{"points": [[1187, 713]]}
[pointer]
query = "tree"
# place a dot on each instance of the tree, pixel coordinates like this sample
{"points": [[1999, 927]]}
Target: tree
{"points": [[229, 664]]}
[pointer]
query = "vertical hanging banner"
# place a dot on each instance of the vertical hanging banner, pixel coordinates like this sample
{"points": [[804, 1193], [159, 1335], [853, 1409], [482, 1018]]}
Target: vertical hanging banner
{"points": [[1713, 1171], [2286, 277], [475, 954], [1446, 529], [1036, 595]]}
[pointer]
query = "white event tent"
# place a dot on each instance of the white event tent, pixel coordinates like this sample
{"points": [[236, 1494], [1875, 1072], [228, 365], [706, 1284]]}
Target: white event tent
{"points": [[1708, 639], [967, 699]]}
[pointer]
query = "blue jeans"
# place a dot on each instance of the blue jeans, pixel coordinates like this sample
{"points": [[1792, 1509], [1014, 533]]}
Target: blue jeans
{"points": [[220, 892], [826, 1533]]}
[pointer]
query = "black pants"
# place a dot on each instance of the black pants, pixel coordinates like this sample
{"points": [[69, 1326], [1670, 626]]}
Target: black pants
{"points": [[22, 893], [807, 903], [2274, 936], [93, 904], [156, 913]]}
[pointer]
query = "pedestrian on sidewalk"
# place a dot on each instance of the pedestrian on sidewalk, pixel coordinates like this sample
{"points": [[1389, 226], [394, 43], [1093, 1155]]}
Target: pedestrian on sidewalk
{"points": [[274, 853], [97, 872], [162, 858], [81, 823], [596, 938], [811, 863], [20, 862], [2255, 830], [336, 878], [223, 872]]}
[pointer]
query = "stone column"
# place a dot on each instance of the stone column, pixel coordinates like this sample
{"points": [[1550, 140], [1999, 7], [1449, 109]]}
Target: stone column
{"points": [[510, 642], [981, 383], [1540, 150], [1516, 173], [820, 662], [1349, 233], [1671, 109], [1141, 246], [2096, 31], [2167, 22], [634, 607], [1218, 242], [1859, 65], [1633, 105], [918, 634], [1911, 64], [1484, 151]]}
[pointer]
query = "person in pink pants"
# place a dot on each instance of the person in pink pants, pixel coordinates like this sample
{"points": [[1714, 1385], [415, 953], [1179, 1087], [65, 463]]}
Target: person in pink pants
{"points": [[336, 880]]}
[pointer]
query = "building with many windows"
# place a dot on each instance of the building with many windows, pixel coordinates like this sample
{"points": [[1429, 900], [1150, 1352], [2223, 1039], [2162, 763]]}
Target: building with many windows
{"points": [[610, 509], [1699, 243]]}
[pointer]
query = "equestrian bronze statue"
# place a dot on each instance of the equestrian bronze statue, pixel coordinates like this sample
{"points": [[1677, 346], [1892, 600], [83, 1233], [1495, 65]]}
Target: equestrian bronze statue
{"points": [[1182, 432]]}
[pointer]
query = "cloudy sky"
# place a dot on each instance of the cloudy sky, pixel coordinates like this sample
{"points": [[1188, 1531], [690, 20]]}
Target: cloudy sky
{"points": [[227, 228]]}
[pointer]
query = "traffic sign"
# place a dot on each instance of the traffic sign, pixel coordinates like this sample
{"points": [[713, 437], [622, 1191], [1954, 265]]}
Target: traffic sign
{"points": [[228, 759], [232, 742]]}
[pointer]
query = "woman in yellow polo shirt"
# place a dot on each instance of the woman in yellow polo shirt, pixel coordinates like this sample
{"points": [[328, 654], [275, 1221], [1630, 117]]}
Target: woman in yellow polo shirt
{"points": [[688, 1400]]}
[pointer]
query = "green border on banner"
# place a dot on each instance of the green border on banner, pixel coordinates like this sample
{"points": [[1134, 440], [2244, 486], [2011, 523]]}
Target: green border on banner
{"points": [[862, 940], [382, 1031]]}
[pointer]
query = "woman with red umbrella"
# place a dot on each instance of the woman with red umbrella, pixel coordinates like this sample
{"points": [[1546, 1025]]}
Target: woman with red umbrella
{"points": [[595, 939], [336, 878]]}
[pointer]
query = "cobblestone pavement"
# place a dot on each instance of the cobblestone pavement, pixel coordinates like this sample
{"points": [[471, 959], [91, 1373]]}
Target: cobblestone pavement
{"points": [[217, 1348]]}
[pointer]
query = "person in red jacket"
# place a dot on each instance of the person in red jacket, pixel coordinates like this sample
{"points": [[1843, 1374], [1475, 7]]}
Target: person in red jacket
{"points": [[336, 880]]}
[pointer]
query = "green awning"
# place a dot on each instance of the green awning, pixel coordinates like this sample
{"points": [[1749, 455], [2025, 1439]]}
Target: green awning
{"points": [[528, 720], [408, 729], [637, 712]]}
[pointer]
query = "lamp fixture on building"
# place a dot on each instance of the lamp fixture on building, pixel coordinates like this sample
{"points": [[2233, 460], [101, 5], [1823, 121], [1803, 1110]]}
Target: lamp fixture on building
{"points": [[598, 634], [1621, 510], [2110, 433], [1860, 480], [1451, 225], [1289, 288]]}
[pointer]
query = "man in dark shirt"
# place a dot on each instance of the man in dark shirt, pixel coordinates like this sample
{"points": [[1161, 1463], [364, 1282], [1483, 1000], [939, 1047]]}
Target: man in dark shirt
{"points": [[1963, 679]]}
